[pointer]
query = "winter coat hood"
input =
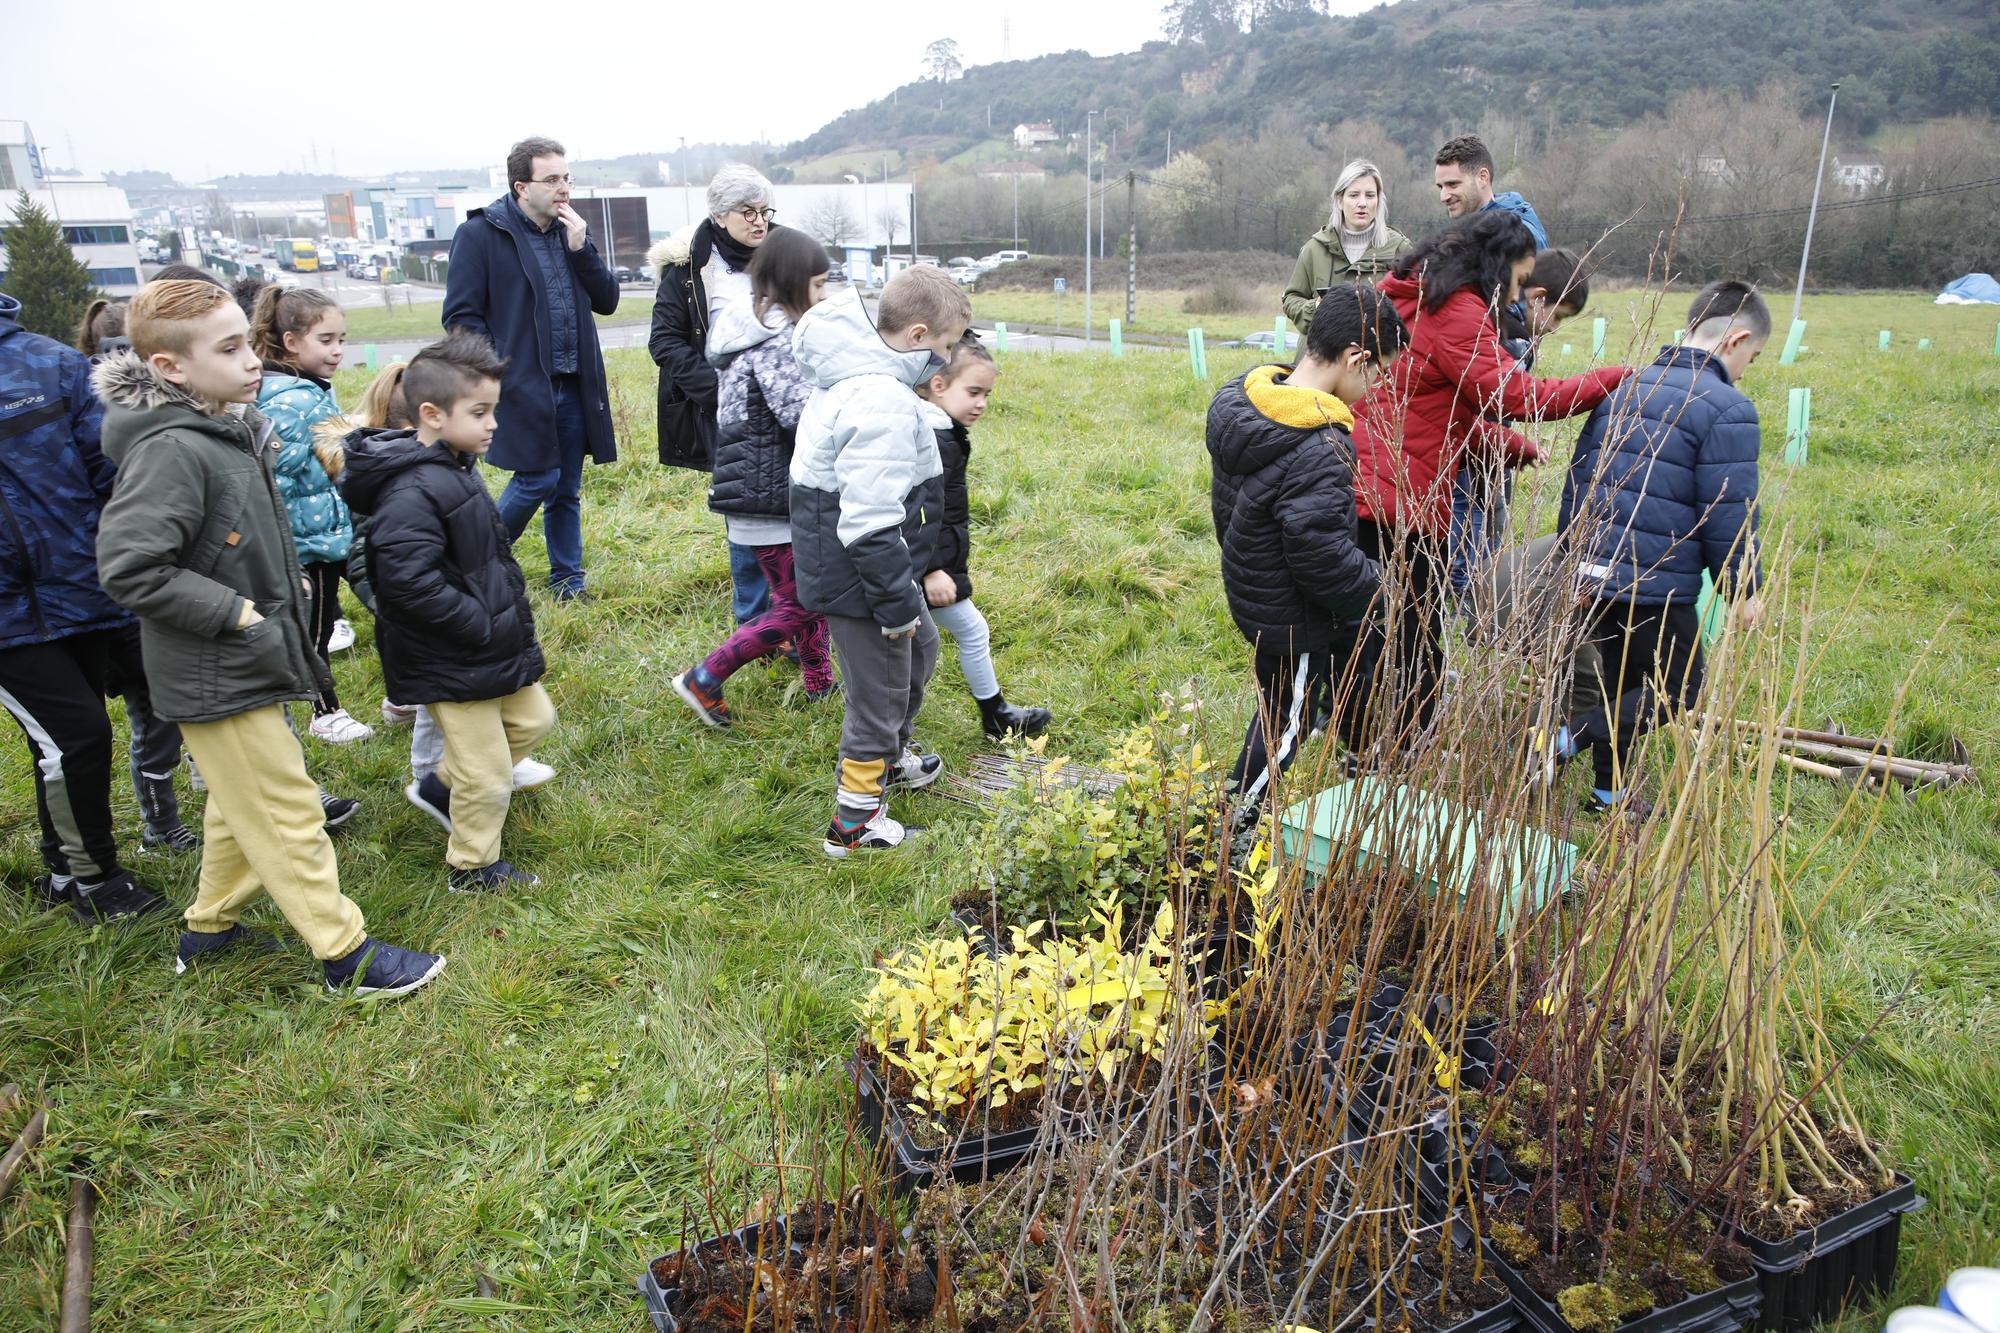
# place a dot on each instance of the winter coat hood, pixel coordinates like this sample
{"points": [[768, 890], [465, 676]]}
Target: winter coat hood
{"points": [[138, 402], [10, 315], [1511, 201], [738, 330], [376, 455], [1301, 410], [837, 341], [1282, 498], [675, 249]]}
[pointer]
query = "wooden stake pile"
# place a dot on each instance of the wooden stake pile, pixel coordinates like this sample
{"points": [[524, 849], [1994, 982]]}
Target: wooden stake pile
{"points": [[990, 776], [1871, 760]]}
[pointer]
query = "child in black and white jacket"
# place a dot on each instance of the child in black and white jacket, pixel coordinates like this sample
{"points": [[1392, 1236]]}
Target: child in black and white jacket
{"points": [[954, 399]]}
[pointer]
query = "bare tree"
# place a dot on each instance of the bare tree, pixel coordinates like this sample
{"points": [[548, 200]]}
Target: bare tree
{"points": [[889, 219], [830, 222], [942, 61]]}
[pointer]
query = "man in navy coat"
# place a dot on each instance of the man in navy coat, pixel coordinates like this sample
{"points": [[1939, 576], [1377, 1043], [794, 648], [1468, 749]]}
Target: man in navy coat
{"points": [[525, 273]]}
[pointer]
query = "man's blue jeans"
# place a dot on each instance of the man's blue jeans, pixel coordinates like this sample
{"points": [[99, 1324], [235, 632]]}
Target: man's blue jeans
{"points": [[557, 492]]}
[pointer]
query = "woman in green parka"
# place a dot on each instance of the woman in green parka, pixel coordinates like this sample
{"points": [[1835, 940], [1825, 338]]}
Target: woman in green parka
{"points": [[1357, 244]]}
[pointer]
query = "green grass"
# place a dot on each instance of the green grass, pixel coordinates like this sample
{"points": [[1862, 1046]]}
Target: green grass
{"points": [[273, 1160], [1158, 309], [420, 319]]}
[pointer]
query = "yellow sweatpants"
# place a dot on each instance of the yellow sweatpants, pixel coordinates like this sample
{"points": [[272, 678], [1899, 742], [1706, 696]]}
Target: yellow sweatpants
{"points": [[483, 741], [264, 830]]}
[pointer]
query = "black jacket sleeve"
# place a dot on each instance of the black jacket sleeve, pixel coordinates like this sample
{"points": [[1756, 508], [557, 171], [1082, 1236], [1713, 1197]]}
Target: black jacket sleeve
{"points": [[672, 341], [952, 551], [1315, 512]]}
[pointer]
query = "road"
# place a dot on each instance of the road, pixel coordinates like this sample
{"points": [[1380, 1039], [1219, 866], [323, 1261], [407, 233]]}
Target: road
{"points": [[634, 335]]}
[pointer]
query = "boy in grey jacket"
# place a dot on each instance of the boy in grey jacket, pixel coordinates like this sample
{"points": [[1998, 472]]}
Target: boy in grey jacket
{"points": [[865, 481]]}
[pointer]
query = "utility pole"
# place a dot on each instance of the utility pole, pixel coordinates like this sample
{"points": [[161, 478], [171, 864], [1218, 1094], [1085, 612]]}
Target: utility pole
{"points": [[1799, 296], [1089, 119], [1132, 248], [1017, 205]]}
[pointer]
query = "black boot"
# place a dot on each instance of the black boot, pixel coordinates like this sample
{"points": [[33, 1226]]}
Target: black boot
{"points": [[1002, 719]]}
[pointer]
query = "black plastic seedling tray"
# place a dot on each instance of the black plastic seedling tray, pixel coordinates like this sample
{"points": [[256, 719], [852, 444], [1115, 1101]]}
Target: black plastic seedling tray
{"points": [[662, 1302], [1726, 1309], [1809, 1277]]}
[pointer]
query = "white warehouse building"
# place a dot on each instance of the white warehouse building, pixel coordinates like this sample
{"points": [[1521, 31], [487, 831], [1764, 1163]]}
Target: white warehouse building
{"points": [[95, 216]]}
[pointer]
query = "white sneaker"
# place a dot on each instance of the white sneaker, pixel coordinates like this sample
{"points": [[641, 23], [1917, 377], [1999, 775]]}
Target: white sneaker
{"points": [[195, 780], [532, 772], [879, 834], [340, 728], [912, 770], [343, 637], [398, 715]]}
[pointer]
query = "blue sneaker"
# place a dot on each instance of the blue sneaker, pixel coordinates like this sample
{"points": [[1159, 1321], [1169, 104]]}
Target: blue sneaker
{"points": [[381, 970], [490, 879], [198, 946], [429, 794]]}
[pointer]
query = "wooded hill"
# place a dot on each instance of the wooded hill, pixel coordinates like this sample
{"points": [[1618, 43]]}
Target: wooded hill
{"points": [[1424, 69]]}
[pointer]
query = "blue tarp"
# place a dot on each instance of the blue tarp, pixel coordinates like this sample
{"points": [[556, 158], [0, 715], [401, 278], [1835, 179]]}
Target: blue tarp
{"points": [[1972, 289]]}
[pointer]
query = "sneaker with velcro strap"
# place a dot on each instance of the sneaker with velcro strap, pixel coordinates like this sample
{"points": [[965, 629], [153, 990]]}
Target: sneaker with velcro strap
{"points": [[380, 971]]}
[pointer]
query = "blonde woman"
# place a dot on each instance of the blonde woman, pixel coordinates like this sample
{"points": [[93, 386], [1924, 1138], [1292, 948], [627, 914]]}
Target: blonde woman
{"points": [[1357, 244]]}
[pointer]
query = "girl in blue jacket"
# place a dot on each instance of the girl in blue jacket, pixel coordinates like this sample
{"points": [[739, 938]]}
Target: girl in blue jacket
{"points": [[301, 335]]}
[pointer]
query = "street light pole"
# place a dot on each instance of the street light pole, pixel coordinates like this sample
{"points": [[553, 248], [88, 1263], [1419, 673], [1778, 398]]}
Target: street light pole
{"points": [[1812, 216], [1089, 118]]}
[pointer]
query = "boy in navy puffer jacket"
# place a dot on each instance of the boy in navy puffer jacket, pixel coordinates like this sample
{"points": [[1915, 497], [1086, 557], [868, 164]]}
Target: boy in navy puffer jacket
{"points": [[865, 481], [1663, 487]]}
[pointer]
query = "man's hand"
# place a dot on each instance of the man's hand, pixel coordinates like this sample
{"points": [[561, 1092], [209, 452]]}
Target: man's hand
{"points": [[573, 224], [248, 616], [1748, 612], [939, 590]]}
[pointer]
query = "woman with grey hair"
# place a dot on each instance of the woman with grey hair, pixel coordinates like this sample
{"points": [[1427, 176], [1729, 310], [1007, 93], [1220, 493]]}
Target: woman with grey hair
{"points": [[704, 276], [1357, 244]]}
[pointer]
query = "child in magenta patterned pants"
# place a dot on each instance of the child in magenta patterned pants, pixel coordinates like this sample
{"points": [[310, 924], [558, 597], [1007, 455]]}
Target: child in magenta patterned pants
{"points": [[760, 392]]}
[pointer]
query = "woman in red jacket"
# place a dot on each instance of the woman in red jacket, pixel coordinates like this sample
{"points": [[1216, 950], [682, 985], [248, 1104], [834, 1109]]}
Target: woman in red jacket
{"points": [[1443, 397]]}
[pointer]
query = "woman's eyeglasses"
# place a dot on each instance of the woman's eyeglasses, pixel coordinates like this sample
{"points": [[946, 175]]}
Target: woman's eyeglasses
{"points": [[755, 215]]}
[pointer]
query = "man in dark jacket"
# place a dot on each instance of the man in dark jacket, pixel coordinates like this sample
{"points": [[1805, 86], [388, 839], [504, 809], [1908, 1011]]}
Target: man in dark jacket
{"points": [[62, 641], [452, 622], [525, 274], [1282, 494], [1663, 487]]}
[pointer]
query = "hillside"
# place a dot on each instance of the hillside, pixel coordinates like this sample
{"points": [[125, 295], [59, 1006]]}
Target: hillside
{"points": [[1426, 68]]}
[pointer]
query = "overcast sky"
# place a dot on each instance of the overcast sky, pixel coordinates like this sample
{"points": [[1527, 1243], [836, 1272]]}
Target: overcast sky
{"points": [[204, 89]]}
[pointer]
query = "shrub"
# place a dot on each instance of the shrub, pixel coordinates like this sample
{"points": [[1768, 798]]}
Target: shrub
{"points": [[1221, 297]]}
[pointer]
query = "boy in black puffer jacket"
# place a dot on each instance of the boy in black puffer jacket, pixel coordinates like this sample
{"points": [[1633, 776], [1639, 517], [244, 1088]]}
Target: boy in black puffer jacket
{"points": [[1283, 500], [452, 621]]}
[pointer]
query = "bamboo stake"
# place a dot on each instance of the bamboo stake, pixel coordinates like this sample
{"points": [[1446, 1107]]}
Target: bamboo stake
{"points": [[81, 1242], [10, 1165], [1818, 770]]}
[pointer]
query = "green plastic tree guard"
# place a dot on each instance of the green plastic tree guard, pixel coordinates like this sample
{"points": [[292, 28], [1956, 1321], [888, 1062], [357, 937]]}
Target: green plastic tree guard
{"points": [[1000, 335], [1598, 327], [1882, 340], [1798, 423], [1792, 341], [1440, 845], [1117, 337]]}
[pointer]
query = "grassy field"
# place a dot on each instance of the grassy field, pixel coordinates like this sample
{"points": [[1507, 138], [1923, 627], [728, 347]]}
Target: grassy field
{"points": [[420, 319], [546, 1114]]}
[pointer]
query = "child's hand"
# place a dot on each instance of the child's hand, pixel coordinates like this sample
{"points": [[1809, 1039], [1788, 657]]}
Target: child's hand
{"points": [[1748, 612], [939, 590]]}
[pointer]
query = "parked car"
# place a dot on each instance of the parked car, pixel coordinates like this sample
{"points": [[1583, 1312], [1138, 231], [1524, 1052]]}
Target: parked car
{"points": [[623, 273], [1265, 341], [1009, 256], [646, 273], [836, 273]]}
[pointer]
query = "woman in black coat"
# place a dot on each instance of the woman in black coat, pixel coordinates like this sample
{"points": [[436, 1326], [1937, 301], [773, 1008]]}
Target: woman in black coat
{"points": [[700, 275]]}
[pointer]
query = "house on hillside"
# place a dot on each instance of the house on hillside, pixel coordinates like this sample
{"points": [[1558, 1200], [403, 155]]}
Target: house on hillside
{"points": [[1858, 173], [1713, 166], [1030, 138], [1012, 171]]}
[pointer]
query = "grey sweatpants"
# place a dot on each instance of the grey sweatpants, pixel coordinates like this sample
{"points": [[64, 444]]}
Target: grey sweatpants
{"points": [[882, 681]]}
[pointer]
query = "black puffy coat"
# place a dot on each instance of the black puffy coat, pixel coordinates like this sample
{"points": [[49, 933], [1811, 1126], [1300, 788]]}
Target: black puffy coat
{"points": [[678, 342], [1283, 499], [953, 550], [760, 397], [452, 620]]}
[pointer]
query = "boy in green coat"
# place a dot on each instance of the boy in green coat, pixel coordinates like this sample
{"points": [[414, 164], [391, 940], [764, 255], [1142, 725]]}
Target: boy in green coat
{"points": [[195, 543]]}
